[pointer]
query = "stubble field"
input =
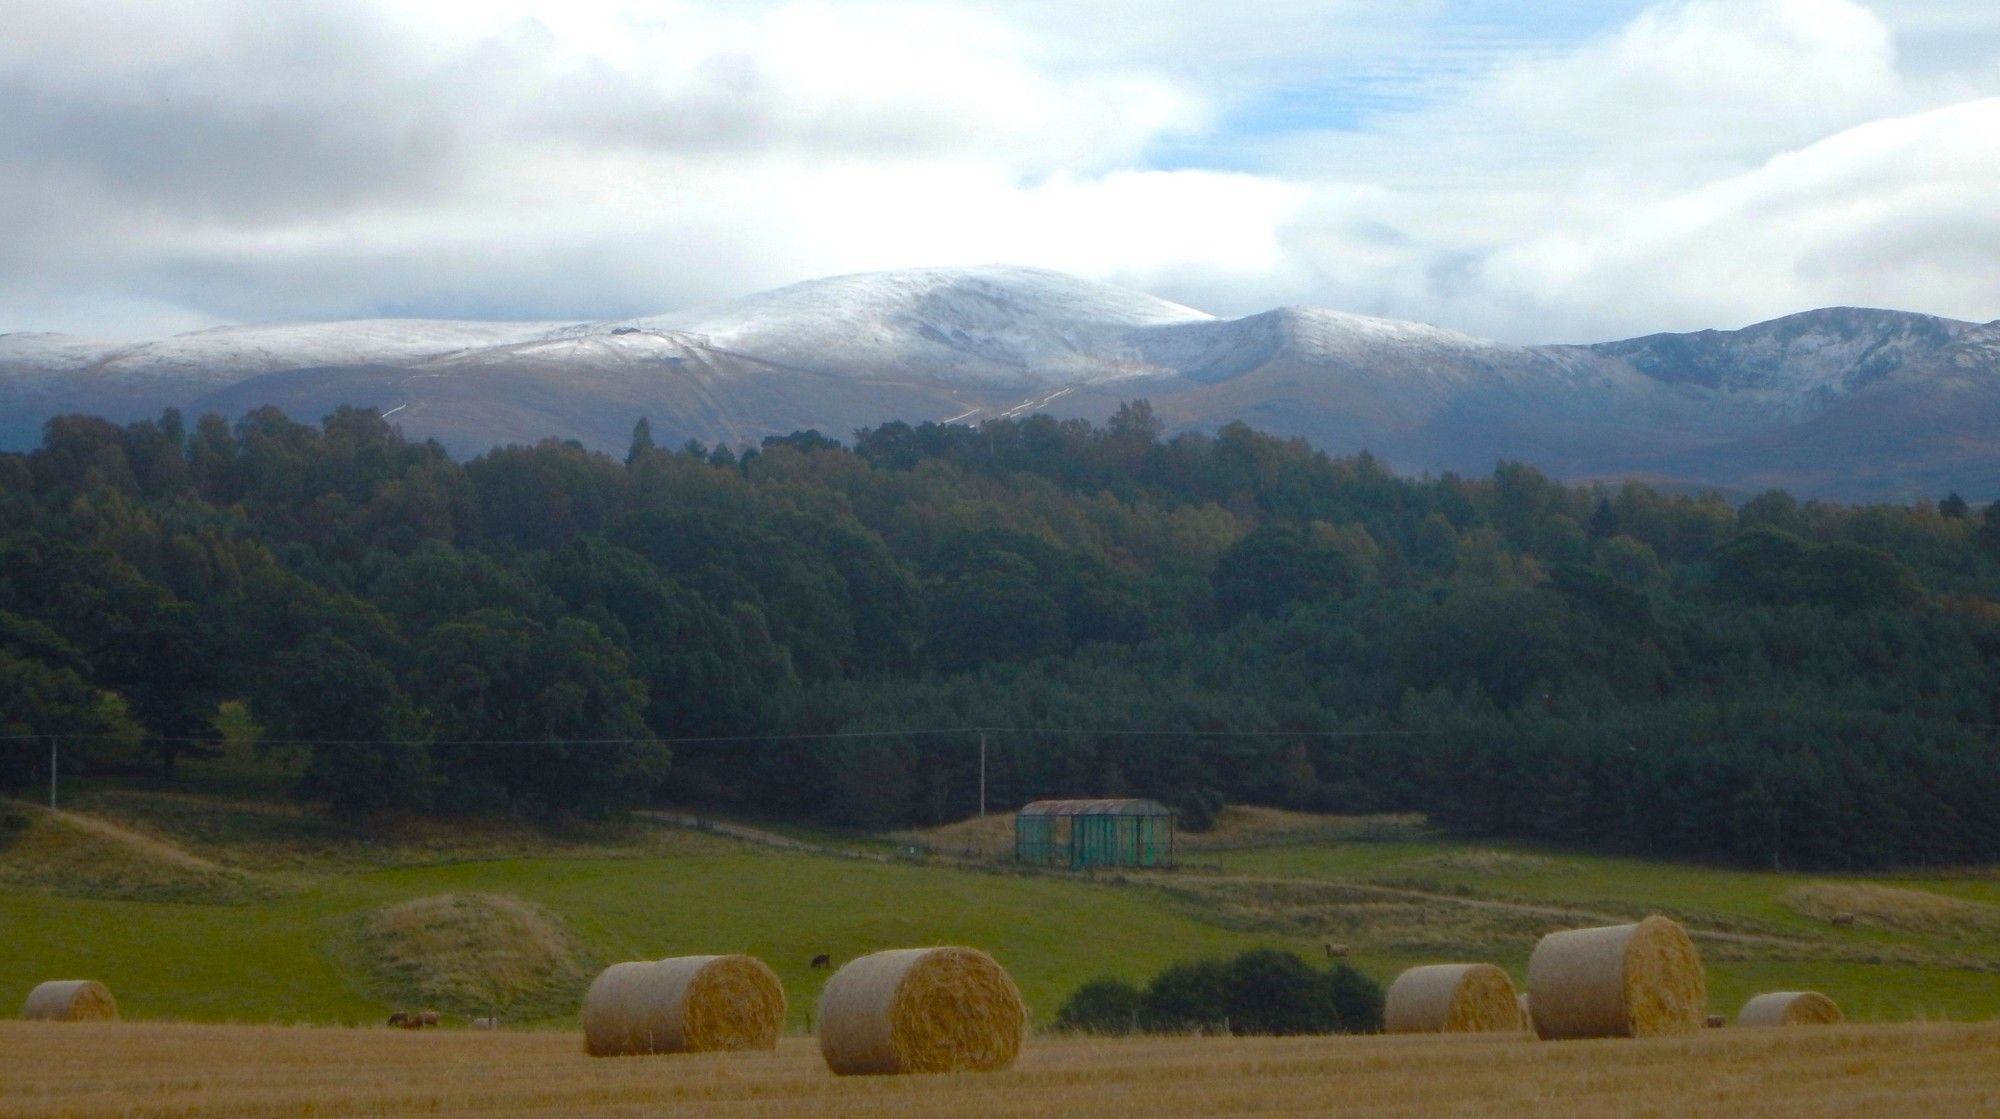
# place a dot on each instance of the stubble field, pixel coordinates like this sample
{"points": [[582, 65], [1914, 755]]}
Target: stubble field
{"points": [[137, 1070]]}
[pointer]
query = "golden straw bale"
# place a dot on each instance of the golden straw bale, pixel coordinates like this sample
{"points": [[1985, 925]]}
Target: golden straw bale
{"points": [[1642, 980], [70, 1000], [1790, 1008], [1452, 998], [687, 1004], [921, 1010]]}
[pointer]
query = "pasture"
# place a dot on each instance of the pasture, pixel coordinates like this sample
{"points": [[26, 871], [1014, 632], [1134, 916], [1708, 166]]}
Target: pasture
{"points": [[219, 909], [139, 1070]]}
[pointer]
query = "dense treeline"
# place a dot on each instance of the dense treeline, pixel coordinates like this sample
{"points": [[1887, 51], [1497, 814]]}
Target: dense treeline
{"points": [[1799, 684]]}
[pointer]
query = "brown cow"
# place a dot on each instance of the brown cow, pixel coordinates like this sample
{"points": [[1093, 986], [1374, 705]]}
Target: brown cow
{"points": [[822, 960], [1336, 951], [427, 1019], [1843, 920]]}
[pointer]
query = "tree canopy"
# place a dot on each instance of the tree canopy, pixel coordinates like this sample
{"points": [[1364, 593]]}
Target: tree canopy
{"points": [[809, 629]]}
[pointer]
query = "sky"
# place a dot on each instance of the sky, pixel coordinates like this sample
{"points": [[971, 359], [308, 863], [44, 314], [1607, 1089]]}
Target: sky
{"points": [[1537, 172]]}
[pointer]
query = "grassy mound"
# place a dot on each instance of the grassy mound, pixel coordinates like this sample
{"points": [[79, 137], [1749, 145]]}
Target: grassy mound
{"points": [[88, 856], [477, 954], [1889, 908]]}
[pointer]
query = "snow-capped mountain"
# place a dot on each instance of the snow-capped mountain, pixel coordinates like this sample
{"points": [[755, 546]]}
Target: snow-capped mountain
{"points": [[1797, 363], [997, 325], [1840, 402]]}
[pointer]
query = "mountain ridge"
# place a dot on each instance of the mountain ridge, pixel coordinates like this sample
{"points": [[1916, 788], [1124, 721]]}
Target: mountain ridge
{"points": [[1720, 407]]}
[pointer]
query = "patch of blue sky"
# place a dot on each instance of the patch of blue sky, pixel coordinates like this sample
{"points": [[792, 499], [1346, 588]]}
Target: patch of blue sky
{"points": [[1463, 41]]}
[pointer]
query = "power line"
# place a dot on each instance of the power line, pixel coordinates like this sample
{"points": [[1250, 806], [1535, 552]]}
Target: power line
{"points": [[695, 740]]}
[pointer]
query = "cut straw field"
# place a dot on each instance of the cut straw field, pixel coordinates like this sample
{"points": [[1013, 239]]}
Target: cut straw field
{"points": [[134, 1071]]}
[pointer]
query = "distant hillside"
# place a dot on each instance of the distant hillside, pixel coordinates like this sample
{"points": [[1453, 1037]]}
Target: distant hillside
{"points": [[1848, 403]]}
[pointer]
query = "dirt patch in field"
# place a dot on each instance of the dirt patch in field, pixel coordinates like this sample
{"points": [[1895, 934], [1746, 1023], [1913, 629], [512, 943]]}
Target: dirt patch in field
{"points": [[80, 855], [475, 955], [1891, 909]]}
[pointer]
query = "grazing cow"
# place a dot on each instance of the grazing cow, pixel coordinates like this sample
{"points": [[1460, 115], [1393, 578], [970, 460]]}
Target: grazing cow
{"points": [[428, 1018], [403, 1020], [822, 960], [486, 1023], [1843, 920], [1716, 1022], [1336, 951]]}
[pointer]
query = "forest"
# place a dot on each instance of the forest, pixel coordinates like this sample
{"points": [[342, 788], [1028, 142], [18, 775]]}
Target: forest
{"points": [[809, 629]]}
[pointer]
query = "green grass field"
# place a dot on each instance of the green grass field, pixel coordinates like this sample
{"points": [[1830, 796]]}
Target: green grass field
{"points": [[1877, 973], [221, 910], [292, 956]]}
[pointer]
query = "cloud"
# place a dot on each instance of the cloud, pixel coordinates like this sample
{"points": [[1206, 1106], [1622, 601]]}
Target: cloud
{"points": [[1707, 164], [1611, 168], [1895, 212]]}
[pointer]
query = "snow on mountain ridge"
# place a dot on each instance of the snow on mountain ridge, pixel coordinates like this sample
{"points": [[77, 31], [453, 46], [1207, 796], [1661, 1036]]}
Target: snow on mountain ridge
{"points": [[1009, 327], [1796, 363], [50, 353], [224, 354], [993, 324]]}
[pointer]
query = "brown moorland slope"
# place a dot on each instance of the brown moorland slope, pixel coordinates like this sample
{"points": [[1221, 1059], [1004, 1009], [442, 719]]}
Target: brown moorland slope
{"points": [[137, 1070]]}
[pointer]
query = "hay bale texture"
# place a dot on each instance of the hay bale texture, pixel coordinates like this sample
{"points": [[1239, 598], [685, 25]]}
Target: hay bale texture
{"points": [[1790, 1008], [1450, 999], [70, 1000], [687, 1004], [921, 1010], [1642, 980]]}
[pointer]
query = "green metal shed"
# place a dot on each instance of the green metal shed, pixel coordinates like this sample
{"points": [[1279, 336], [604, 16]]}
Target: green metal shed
{"points": [[1086, 833]]}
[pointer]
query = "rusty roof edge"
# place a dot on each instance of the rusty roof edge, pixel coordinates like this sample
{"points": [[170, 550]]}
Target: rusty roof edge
{"points": [[1096, 806]]}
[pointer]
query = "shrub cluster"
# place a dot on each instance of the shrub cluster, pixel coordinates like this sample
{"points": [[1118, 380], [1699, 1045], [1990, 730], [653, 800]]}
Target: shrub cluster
{"points": [[1263, 991]]}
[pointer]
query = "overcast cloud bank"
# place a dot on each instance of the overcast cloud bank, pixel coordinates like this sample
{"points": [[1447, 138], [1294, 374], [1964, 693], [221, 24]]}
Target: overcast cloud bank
{"points": [[1594, 172]]}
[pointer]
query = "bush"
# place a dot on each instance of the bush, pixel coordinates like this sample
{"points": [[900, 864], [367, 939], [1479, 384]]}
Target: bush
{"points": [[1101, 1006], [1187, 998], [1261, 992], [1197, 809], [1357, 998]]}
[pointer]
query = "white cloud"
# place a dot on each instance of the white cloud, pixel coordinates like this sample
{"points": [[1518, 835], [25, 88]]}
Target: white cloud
{"points": [[1895, 212], [1640, 182], [1689, 163]]}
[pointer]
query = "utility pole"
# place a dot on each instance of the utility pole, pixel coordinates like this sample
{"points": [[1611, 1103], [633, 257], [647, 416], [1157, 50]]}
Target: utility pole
{"points": [[52, 772], [982, 774]]}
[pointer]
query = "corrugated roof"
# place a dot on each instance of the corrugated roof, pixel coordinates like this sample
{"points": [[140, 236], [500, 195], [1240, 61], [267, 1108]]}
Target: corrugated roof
{"points": [[1128, 806]]}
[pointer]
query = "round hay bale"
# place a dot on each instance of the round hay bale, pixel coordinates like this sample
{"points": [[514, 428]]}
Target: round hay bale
{"points": [[1450, 999], [921, 1010], [687, 1004], [70, 1000], [1790, 1008], [1642, 980]]}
